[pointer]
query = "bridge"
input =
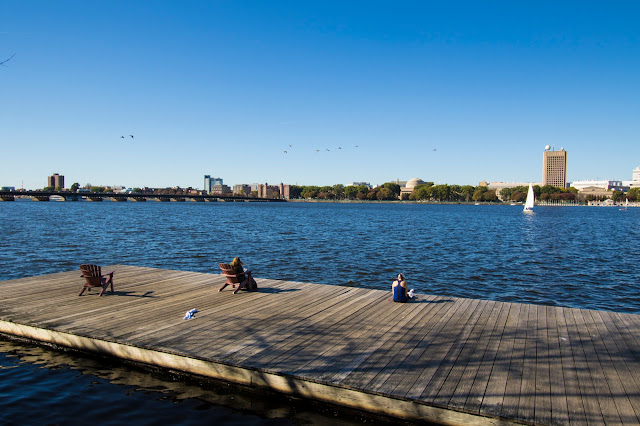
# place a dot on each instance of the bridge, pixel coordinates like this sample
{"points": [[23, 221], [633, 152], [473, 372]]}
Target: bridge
{"points": [[116, 196]]}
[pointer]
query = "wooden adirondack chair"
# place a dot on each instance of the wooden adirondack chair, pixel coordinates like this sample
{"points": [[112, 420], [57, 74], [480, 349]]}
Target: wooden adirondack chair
{"points": [[234, 279], [94, 278]]}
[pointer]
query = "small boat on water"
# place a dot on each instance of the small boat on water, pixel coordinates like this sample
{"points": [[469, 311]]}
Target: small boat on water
{"points": [[528, 205], [626, 205], [57, 198]]}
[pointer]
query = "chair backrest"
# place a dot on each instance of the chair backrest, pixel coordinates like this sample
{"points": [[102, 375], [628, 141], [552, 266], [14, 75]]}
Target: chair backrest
{"points": [[93, 274], [227, 271]]}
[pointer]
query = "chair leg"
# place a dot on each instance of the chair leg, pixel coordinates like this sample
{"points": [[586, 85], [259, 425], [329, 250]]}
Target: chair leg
{"points": [[242, 285], [83, 289]]}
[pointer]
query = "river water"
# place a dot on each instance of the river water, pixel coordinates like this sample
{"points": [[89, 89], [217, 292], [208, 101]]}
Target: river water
{"points": [[584, 257]]}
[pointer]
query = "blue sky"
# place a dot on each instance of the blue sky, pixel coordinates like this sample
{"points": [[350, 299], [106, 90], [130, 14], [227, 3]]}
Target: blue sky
{"points": [[452, 92]]}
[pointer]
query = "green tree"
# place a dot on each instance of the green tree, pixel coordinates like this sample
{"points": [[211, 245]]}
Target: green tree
{"points": [[617, 196], [97, 189], [394, 187], [295, 191], [478, 194], [634, 194], [338, 191], [350, 192], [386, 194], [310, 192], [490, 195], [75, 186], [441, 192], [48, 188], [421, 192], [466, 192], [505, 194]]}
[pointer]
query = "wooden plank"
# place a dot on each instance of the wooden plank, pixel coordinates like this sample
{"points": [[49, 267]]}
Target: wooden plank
{"points": [[542, 395], [620, 359], [494, 395], [514, 383], [454, 389], [380, 360], [470, 364], [436, 338], [558, 397], [588, 390], [614, 404], [401, 347], [572, 389]]}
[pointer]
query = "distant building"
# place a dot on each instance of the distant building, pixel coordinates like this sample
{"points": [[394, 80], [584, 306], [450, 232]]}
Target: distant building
{"points": [[210, 182], [554, 168], [410, 185], [606, 185], [270, 191], [56, 181], [367, 184], [499, 186], [220, 189], [8, 188], [636, 174], [242, 189]]}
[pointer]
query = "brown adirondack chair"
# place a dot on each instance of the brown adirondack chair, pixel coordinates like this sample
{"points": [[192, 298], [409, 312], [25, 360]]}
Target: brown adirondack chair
{"points": [[234, 279], [94, 278]]}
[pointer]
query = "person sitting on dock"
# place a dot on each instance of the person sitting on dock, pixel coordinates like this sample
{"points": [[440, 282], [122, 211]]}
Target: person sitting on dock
{"points": [[399, 288]]}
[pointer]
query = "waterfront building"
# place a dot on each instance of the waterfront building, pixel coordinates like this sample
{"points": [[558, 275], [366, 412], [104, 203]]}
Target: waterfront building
{"points": [[269, 191], [607, 185], [410, 186], [285, 191], [56, 181], [554, 167], [636, 174], [8, 188], [242, 189], [210, 182], [220, 189]]}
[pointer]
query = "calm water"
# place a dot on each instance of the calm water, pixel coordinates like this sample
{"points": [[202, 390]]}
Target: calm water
{"points": [[585, 257]]}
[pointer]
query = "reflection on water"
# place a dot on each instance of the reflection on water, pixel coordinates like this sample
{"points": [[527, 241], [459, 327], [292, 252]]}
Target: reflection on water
{"points": [[43, 385]]}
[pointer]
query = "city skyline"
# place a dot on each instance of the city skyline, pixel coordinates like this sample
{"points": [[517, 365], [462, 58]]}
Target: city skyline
{"points": [[160, 94]]}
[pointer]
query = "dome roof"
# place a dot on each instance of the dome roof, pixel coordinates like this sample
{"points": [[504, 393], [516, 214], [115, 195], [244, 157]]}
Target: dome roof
{"points": [[413, 183]]}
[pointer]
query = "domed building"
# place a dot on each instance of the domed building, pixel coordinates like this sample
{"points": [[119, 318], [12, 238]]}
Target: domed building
{"points": [[410, 186]]}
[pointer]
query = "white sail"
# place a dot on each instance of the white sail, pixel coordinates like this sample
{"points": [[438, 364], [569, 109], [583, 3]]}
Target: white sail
{"points": [[528, 205]]}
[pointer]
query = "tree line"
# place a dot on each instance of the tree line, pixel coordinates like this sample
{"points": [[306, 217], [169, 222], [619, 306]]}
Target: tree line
{"points": [[446, 193]]}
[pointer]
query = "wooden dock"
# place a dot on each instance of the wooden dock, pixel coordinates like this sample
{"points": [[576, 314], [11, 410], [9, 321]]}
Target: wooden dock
{"points": [[441, 359]]}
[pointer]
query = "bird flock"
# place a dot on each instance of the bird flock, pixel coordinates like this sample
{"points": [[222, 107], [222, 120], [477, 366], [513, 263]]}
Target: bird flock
{"points": [[317, 150]]}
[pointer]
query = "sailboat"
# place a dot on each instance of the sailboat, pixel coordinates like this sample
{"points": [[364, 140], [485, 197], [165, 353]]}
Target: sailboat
{"points": [[528, 205], [626, 204]]}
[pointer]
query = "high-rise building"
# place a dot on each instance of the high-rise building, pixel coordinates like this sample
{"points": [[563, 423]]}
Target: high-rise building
{"points": [[554, 168], [636, 174], [56, 181]]}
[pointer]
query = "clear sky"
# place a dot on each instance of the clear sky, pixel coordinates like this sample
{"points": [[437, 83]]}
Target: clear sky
{"points": [[448, 91]]}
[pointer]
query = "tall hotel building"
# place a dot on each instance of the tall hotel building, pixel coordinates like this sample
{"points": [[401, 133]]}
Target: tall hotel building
{"points": [[554, 168]]}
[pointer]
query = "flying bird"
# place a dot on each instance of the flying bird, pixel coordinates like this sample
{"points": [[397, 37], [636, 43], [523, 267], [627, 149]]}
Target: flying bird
{"points": [[339, 147], [122, 137], [131, 136], [317, 150], [284, 152], [327, 149]]}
